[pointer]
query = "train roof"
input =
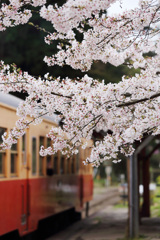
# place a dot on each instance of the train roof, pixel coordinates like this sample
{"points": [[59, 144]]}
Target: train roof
{"points": [[14, 102], [10, 100]]}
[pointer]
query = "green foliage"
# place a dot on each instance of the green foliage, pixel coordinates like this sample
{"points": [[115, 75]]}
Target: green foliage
{"points": [[99, 183], [121, 205], [110, 73], [158, 180], [155, 208], [24, 45], [119, 168]]}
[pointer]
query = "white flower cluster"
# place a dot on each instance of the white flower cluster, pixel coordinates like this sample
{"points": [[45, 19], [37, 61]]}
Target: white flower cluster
{"points": [[124, 111], [108, 39], [16, 12]]}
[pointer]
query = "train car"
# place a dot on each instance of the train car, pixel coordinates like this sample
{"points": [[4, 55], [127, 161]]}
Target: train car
{"points": [[33, 187]]}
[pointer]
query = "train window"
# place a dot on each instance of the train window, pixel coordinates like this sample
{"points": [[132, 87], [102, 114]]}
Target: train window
{"points": [[55, 166], [34, 147], [41, 159], [84, 157], [49, 166], [2, 131], [48, 142], [24, 158], [2, 162], [14, 157], [77, 161], [14, 147], [2, 154], [62, 167], [73, 164], [13, 163], [87, 155], [24, 142], [68, 165]]}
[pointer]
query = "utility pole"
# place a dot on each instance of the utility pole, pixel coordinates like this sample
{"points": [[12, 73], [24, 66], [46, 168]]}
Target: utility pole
{"points": [[133, 198]]}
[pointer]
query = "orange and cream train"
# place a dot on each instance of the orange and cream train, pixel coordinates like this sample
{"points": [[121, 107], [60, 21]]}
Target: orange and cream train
{"points": [[33, 188]]}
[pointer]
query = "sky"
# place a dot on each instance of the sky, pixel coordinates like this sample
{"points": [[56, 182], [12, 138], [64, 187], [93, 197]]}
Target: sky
{"points": [[125, 4]]}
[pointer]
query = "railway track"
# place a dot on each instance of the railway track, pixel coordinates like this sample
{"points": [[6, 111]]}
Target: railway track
{"points": [[105, 197]]}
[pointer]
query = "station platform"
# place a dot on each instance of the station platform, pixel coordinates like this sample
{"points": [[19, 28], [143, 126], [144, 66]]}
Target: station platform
{"points": [[107, 222]]}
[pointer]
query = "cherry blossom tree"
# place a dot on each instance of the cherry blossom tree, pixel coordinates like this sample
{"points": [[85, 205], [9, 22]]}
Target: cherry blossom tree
{"points": [[126, 111]]}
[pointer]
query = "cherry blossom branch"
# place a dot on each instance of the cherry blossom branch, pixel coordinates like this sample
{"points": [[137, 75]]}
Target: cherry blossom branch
{"points": [[126, 104]]}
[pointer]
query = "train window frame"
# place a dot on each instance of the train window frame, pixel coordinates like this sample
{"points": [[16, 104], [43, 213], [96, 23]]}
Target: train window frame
{"points": [[35, 155], [3, 153]]}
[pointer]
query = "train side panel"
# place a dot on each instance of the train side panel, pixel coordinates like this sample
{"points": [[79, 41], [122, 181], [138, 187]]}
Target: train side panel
{"points": [[13, 206], [49, 196], [22, 206], [86, 187]]}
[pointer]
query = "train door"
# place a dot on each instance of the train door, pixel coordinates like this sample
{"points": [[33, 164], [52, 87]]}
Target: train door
{"points": [[24, 187]]}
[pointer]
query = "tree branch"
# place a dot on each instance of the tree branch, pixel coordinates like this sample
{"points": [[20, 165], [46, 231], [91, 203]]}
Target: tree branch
{"points": [[126, 104]]}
